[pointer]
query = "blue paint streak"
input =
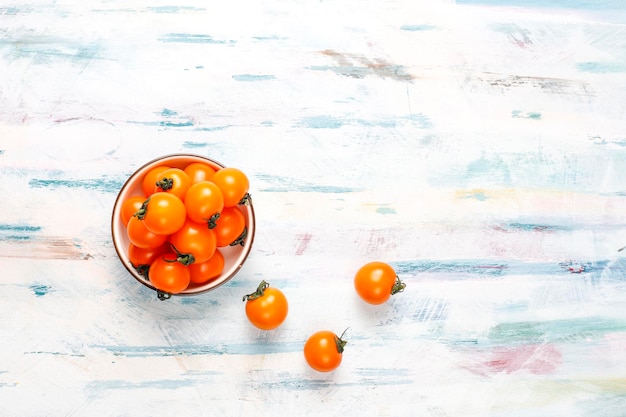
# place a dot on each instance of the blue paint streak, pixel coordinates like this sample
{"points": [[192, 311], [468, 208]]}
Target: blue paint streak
{"points": [[106, 185], [17, 231], [333, 122], [601, 67], [168, 113], [535, 227], [40, 290], [287, 184], [252, 77], [173, 9], [385, 210], [417, 28], [566, 4], [163, 123], [461, 269], [194, 38], [517, 114], [261, 348]]}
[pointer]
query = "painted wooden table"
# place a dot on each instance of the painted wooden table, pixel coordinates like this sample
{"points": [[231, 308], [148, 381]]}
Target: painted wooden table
{"points": [[477, 146]]}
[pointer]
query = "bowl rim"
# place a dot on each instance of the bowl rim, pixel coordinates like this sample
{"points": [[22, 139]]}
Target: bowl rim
{"points": [[122, 256]]}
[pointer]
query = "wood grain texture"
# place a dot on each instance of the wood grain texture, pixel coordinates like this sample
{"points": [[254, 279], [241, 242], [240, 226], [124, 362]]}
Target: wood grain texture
{"points": [[478, 146]]}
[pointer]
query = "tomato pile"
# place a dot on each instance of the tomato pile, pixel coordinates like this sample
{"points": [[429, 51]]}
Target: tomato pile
{"points": [[178, 226]]}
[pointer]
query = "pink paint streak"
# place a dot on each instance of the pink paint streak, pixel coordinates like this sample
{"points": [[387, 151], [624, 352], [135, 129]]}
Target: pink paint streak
{"points": [[304, 240], [536, 359]]}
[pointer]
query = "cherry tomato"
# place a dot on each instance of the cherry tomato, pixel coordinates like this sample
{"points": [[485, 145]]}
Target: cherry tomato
{"points": [[174, 181], [144, 256], [130, 207], [140, 236], [230, 227], [201, 273], [323, 350], [195, 241], [163, 213], [233, 183], [169, 275], [204, 202], [198, 171], [267, 307], [148, 184], [376, 281]]}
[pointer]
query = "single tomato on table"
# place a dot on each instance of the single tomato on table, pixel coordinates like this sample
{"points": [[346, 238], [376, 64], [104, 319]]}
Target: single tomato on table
{"points": [[323, 350], [376, 281], [267, 307]]}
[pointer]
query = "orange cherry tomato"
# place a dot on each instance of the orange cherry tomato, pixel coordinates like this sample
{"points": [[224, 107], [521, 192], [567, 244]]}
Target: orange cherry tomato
{"points": [[230, 227], [233, 183], [376, 281], [163, 214], [195, 241], [174, 181], [148, 184], [204, 202], [130, 207], [323, 350], [267, 307], [140, 236], [198, 171], [201, 273], [144, 256], [169, 275]]}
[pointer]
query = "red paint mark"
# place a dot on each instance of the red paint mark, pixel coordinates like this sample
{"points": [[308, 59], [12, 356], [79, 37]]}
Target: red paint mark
{"points": [[536, 359], [304, 242]]}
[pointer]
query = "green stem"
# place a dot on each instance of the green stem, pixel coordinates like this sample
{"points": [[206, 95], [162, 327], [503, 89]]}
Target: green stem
{"points": [[141, 213], [165, 184], [258, 293], [184, 258], [398, 286], [341, 344], [246, 200], [212, 221], [241, 240]]}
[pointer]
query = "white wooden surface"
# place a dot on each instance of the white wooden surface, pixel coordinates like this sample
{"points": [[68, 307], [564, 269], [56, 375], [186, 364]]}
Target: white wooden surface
{"points": [[478, 148]]}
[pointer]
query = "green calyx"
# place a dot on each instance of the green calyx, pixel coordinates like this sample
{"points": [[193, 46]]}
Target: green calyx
{"points": [[398, 286], [340, 342], [141, 213], [258, 293], [165, 184]]}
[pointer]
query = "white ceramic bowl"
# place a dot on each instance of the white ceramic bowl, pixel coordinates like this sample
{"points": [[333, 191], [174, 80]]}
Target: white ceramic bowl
{"points": [[234, 256]]}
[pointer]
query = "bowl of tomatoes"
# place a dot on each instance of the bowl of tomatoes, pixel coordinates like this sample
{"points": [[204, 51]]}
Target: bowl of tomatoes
{"points": [[183, 224]]}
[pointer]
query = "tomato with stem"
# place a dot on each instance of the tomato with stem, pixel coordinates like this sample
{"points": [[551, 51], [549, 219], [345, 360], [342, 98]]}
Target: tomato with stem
{"points": [[139, 235], [163, 213], [130, 207], [204, 202], [142, 258], [230, 227], [174, 181], [376, 282], [167, 274], [203, 272], [323, 350], [195, 241], [267, 307], [148, 183], [234, 185]]}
